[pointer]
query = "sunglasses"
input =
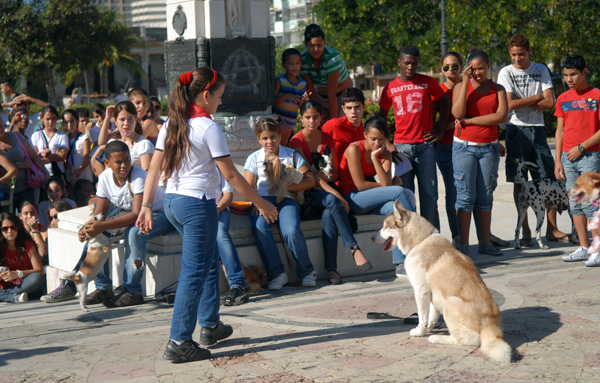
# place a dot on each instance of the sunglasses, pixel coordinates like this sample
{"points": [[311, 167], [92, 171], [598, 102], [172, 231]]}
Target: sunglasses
{"points": [[5, 229], [453, 66], [55, 216], [23, 116]]}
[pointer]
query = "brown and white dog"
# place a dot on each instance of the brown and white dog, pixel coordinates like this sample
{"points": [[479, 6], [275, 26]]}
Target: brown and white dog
{"points": [[99, 249], [587, 188], [281, 177], [445, 281], [256, 278]]}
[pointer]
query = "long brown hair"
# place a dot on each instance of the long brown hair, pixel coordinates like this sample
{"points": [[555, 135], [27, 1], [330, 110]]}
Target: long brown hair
{"points": [[177, 142], [272, 163], [22, 237], [128, 107]]}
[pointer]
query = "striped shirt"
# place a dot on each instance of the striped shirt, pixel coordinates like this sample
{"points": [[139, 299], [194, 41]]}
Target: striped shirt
{"points": [[331, 62], [288, 110]]}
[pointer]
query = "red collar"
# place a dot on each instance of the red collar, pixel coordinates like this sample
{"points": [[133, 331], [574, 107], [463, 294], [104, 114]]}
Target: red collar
{"points": [[198, 111]]}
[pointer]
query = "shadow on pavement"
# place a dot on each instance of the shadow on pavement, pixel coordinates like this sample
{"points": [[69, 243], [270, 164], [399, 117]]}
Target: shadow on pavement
{"points": [[13, 354], [529, 324]]}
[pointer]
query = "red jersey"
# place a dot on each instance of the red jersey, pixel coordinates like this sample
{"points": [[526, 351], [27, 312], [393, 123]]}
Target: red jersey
{"points": [[344, 133], [12, 261], [346, 182], [412, 106], [480, 105], [448, 136], [299, 141], [580, 112]]}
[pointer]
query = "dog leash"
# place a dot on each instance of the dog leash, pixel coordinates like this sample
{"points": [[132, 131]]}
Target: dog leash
{"points": [[284, 248]]}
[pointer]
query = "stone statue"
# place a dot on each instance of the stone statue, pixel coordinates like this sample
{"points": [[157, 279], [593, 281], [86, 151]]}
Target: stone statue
{"points": [[236, 14]]}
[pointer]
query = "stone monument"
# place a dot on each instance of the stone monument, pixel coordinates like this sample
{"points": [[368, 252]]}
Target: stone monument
{"points": [[233, 37]]}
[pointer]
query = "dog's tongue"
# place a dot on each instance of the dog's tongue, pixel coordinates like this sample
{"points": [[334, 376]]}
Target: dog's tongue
{"points": [[387, 244]]}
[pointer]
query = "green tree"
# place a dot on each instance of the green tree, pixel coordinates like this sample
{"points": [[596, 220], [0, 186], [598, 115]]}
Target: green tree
{"points": [[39, 38]]}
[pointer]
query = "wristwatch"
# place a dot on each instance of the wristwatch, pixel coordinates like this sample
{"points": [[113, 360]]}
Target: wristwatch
{"points": [[581, 148], [148, 205], [19, 274]]}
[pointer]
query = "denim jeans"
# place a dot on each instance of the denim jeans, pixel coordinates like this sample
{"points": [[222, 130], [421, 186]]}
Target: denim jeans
{"points": [[333, 218], [422, 160], [227, 252], [475, 175], [195, 219], [381, 201], [32, 284], [587, 162], [289, 224], [444, 161]]}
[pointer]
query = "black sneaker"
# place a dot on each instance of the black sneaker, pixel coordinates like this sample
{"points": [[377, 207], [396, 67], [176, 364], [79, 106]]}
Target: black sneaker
{"points": [[210, 336], [124, 299], [189, 351], [236, 296], [98, 296]]}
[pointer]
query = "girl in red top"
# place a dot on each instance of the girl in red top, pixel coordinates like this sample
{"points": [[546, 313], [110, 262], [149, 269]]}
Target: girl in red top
{"points": [[479, 106], [309, 142], [23, 272], [362, 161]]}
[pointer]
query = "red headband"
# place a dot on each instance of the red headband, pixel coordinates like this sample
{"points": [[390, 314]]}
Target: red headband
{"points": [[186, 78], [212, 82]]}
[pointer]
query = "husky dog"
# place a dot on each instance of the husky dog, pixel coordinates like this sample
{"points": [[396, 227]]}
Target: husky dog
{"points": [[445, 281]]}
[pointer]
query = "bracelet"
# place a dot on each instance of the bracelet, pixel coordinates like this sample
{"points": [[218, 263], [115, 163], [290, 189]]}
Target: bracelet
{"points": [[35, 232], [147, 205]]}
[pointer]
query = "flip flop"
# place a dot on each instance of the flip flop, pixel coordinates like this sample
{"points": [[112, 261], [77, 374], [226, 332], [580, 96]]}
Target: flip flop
{"points": [[564, 239], [526, 242]]}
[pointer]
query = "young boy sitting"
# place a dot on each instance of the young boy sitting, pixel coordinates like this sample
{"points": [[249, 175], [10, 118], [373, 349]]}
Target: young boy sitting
{"points": [[120, 190], [577, 138]]}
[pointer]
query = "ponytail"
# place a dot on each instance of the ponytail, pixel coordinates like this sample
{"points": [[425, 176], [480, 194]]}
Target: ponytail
{"points": [[187, 89]]}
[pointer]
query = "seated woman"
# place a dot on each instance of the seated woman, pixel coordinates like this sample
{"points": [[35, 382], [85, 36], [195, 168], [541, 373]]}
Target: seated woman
{"points": [[362, 161], [261, 166], [23, 273], [311, 142], [29, 215], [479, 106], [130, 132]]}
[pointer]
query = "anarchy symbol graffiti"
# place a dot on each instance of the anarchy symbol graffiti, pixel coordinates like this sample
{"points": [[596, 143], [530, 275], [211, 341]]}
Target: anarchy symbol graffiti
{"points": [[243, 73]]}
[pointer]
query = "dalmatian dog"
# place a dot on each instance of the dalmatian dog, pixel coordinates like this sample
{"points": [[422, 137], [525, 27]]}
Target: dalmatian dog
{"points": [[540, 195]]}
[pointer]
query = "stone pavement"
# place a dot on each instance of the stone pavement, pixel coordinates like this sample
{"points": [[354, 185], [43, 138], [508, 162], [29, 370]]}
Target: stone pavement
{"points": [[550, 311]]}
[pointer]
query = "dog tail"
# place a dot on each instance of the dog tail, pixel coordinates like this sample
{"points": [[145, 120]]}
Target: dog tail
{"points": [[494, 346], [73, 276], [520, 174]]}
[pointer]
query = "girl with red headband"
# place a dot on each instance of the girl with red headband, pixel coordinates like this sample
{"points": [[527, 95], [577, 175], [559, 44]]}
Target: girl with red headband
{"points": [[188, 147]]}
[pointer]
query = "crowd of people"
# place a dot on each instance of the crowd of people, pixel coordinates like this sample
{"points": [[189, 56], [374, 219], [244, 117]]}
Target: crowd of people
{"points": [[343, 162]]}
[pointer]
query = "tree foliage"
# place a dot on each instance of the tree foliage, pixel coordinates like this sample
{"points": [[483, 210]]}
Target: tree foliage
{"points": [[374, 30], [41, 37]]}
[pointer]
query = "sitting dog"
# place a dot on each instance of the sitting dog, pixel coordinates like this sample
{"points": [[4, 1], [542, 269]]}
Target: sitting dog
{"points": [[540, 194], [281, 177], [323, 162], [446, 281], [98, 251]]}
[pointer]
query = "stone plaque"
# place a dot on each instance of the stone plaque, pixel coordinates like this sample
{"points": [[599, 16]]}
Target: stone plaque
{"points": [[247, 66], [180, 56]]}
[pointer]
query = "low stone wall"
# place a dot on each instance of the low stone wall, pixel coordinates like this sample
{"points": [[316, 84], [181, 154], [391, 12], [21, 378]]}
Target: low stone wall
{"points": [[163, 254]]}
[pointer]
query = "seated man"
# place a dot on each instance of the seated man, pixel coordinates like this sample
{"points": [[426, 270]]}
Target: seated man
{"points": [[120, 185]]}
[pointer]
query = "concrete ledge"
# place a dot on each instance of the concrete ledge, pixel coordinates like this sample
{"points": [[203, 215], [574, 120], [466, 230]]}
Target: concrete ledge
{"points": [[163, 254]]}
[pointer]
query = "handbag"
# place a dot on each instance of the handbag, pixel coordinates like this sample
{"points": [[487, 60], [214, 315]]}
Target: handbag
{"points": [[36, 177]]}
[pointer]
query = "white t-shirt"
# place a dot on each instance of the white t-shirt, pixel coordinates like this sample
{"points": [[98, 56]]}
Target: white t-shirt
{"points": [[199, 175], [120, 196], [40, 142], [255, 164], [523, 83], [225, 188], [76, 158], [45, 205], [141, 147]]}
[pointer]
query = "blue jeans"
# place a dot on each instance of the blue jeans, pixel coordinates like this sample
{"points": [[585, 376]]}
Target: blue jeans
{"points": [[444, 161], [197, 295], [380, 201], [588, 162], [333, 218], [422, 160], [227, 252], [32, 284], [475, 175], [289, 225]]}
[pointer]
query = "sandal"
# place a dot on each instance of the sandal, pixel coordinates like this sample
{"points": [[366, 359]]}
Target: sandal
{"points": [[562, 239], [526, 242], [365, 266], [335, 280]]}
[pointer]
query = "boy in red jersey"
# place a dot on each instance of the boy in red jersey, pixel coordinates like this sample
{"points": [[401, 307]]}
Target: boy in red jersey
{"points": [[411, 95], [577, 138]]}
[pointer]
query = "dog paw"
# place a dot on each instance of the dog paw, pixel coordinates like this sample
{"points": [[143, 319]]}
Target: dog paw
{"points": [[417, 331], [434, 339], [545, 247]]}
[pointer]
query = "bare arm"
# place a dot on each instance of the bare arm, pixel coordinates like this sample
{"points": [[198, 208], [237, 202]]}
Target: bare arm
{"points": [[11, 169], [353, 154], [459, 100], [225, 201], [103, 137], [145, 160], [310, 88], [548, 101], [307, 182], [149, 129], [332, 83], [522, 103], [559, 172]]}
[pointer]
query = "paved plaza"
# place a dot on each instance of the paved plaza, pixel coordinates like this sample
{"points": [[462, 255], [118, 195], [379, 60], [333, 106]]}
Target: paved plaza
{"points": [[550, 311]]}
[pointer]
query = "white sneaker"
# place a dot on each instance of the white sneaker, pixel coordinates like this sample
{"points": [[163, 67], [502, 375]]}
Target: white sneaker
{"points": [[578, 255], [310, 280], [593, 260], [21, 298], [278, 282]]}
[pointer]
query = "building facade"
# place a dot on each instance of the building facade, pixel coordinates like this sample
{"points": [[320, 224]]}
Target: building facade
{"points": [[288, 20]]}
